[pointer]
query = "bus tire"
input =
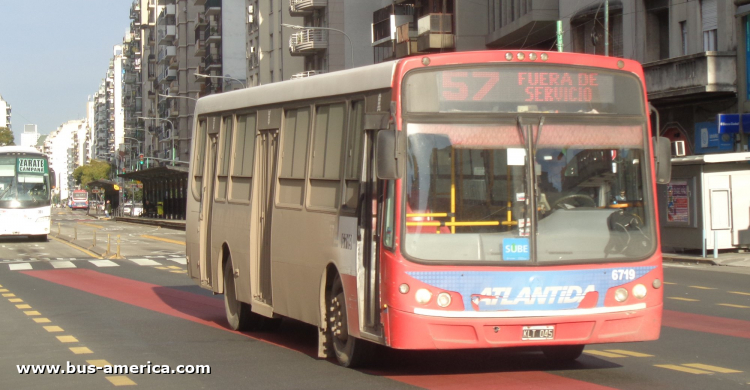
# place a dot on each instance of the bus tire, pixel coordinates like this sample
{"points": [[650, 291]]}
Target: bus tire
{"points": [[239, 314], [563, 353], [350, 351]]}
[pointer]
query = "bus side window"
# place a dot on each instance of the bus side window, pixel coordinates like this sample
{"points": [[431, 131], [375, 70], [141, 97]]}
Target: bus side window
{"points": [[353, 167], [325, 173], [388, 217]]}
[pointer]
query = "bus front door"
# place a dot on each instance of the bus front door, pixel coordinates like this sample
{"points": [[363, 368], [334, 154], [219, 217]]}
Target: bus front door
{"points": [[371, 198]]}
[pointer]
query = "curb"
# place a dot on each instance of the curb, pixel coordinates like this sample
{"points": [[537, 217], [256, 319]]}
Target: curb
{"points": [[701, 260]]}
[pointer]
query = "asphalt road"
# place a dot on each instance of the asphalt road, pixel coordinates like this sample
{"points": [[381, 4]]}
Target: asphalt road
{"points": [[61, 304]]}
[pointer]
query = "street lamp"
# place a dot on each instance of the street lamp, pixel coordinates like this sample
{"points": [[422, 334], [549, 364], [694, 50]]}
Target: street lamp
{"points": [[171, 135], [219, 77], [177, 97], [296, 27]]}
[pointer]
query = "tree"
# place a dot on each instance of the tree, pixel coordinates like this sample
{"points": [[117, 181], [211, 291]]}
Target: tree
{"points": [[96, 170], [6, 137]]}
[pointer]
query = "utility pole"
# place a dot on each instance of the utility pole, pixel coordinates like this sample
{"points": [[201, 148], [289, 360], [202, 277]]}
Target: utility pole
{"points": [[606, 28]]}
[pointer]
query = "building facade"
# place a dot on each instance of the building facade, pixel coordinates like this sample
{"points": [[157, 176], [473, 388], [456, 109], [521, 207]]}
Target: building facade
{"points": [[5, 114], [30, 136]]}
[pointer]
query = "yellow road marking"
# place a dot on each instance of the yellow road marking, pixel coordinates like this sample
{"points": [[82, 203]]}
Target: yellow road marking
{"points": [[712, 368], [4, 290], [740, 293], [41, 320], [91, 224], [53, 329], [32, 313], [163, 239], [174, 267], [603, 354], [120, 380], [80, 350], [15, 300], [1, 285], [629, 353], [99, 363], [67, 339], [178, 272], [684, 299], [24, 306], [161, 267], [668, 283], [683, 369], [9, 295], [92, 254], [731, 305], [703, 288]]}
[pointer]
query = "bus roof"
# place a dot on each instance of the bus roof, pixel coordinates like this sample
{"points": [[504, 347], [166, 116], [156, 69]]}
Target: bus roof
{"points": [[19, 149], [364, 78]]}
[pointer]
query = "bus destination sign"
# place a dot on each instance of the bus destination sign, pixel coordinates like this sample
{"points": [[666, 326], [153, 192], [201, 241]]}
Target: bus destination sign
{"points": [[524, 86], [515, 89], [31, 165]]}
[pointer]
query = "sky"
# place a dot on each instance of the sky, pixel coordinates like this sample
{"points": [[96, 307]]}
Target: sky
{"points": [[54, 55]]}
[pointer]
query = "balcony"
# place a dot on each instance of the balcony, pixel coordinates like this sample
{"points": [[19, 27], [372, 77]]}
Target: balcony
{"points": [[200, 48], [536, 25], [306, 74], [167, 75], [199, 2], [166, 53], [435, 31], [308, 42], [166, 34], [305, 7], [200, 21], [212, 34], [696, 77], [212, 63], [166, 2], [387, 19], [213, 11], [174, 63]]}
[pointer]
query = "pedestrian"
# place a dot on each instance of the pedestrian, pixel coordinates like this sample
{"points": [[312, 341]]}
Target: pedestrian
{"points": [[108, 209]]}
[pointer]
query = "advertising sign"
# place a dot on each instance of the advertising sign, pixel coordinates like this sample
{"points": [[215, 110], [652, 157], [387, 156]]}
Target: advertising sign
{"points": [[678, 201]]}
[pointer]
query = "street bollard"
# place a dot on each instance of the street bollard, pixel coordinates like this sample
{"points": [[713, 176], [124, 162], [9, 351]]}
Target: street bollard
{"points": [[716, 246], [58, 230], [94, 246], [75, 233], [108, 246], [118, 247]]}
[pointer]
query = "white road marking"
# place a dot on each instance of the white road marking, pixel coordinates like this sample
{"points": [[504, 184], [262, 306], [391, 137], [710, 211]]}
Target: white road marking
{"points": [[62, 264], [179, 260], [19, 267], [144, 262], [104, 263]]}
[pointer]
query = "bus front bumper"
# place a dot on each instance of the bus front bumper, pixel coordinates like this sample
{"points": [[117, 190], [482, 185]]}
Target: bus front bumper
{"points": [[414, 331]]}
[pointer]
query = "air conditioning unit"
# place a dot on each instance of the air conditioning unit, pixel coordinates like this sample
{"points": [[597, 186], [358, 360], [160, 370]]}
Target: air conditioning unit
{"points": [[678, 148]]}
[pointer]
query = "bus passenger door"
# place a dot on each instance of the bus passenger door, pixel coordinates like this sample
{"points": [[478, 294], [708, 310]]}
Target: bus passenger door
{"points": [[267, 161], [370, 207], [207, 201]]}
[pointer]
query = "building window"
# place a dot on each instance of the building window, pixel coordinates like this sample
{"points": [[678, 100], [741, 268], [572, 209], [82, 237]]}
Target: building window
{"points": [[683, 33], [710, 24]]}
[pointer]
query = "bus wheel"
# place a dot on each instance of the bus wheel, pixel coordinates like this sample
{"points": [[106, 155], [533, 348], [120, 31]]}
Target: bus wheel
{"points": [[563, 353], [239, 314], [350, 351]]}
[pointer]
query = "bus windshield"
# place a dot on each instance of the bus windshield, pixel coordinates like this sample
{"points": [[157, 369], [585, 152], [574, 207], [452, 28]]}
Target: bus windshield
{"points": [[24, 182], [467, 192], [80, 195]]}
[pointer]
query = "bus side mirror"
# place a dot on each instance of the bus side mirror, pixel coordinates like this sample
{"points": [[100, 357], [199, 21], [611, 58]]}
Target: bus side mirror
{"points": [[663, 154], [390, 151], [52, 181]]}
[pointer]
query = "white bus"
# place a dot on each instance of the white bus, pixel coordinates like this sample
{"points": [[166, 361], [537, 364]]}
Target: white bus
{"points": [[25, 189]]}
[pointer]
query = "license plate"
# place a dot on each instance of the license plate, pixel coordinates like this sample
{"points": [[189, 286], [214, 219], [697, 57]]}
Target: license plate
{"points": [[546, 332]]}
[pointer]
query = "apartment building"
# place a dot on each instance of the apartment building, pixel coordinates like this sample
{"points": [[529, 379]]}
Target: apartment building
{"points": [[64, 147], [30, 136], [5, 114]]}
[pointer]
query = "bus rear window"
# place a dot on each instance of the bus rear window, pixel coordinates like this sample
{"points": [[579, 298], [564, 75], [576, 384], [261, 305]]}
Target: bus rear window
{"points": [[543, 88]]}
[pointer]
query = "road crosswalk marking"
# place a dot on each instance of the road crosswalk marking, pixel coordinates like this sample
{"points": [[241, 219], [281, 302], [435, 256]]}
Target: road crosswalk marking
{"points": [[62, 264], [144, 262], [179, 260], [104, 263], [19, 267]]}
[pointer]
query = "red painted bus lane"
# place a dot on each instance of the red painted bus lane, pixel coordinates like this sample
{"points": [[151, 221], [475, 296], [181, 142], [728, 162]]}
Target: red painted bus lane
{"points": [[706, 324], [210, 312]]}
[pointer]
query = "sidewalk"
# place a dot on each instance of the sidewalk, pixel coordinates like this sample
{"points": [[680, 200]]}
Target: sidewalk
{"points": [[724, 259], [178, 224]]}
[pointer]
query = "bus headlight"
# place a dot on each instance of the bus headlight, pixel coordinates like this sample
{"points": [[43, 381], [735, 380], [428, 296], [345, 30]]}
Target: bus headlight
{"points": [[443, 299], [423, 295], [656, 283], [621, 295], [403, 288], [639, 291]]}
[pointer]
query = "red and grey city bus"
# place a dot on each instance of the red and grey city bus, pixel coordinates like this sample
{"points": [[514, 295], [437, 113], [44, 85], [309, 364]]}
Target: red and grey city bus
{"points": [[79, 199], [460, 200]]}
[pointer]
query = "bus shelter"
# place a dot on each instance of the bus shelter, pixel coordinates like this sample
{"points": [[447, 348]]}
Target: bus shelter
{"points": [[102, 191], [164, 191]]}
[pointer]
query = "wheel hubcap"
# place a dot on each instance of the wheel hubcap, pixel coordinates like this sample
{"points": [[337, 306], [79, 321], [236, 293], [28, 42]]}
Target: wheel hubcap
{"points": [[337, 320]]}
